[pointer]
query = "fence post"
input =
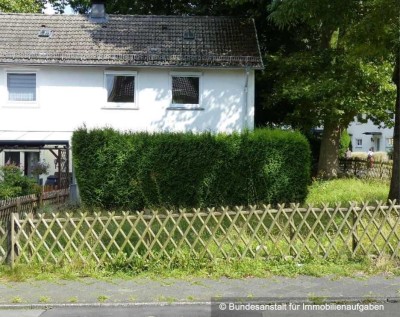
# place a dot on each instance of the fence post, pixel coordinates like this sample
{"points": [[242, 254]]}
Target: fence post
{"points": [[40, 200], [292, 249], [12, 248], [354, 240], [293, 252], [29, 230]]}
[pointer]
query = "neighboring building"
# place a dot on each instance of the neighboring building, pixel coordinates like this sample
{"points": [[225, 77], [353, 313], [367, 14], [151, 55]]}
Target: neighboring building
{"points": [[368, 135], [154, 73]]}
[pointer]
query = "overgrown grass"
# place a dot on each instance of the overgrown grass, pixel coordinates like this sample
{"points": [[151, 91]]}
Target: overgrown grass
{"points": [[347, 189], [234, 268]]}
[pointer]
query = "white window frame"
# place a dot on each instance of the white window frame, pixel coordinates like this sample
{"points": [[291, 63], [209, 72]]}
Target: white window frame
{"points": [[121, 105], [359, 144], [184, 106], [21, 103], [389, 142]]}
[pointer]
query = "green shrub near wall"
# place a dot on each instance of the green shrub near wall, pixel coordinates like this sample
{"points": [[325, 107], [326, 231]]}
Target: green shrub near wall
{"points": [[145, 170]]}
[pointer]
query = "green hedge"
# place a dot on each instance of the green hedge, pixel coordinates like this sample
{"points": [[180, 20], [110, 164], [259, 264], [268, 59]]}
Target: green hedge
{"points": [[144, 170]]}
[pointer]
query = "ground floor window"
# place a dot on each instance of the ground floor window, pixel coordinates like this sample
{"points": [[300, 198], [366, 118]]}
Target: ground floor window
{"points": [[12, 158], [389, 142]]}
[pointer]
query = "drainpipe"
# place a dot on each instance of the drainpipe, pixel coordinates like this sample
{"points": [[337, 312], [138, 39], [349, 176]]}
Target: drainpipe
{"points": [[246, 97]]}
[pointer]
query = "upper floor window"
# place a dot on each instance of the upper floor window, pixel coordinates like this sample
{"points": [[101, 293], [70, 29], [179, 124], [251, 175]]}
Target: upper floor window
{"points": [[185, 90], [21, 87], [121, 88], [358, 142]]}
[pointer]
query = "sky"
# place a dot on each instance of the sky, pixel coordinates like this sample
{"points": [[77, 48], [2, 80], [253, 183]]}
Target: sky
{"points": [[49, 9]]}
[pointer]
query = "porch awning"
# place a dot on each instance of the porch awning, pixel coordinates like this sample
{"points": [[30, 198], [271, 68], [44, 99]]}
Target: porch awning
{"points": [[373, 133], [13, 139]]}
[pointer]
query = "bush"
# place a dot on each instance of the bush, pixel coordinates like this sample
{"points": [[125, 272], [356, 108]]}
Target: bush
{"points": [[143, 170], [13, 183], [345, 141]]}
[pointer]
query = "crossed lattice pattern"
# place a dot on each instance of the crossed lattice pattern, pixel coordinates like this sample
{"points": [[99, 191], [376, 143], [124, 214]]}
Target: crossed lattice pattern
{"points": [[225, 233], [364, 169], [23, 206]]}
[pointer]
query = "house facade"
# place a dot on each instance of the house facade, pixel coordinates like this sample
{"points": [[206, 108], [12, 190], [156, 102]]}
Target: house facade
{"points": [[136, 73], [365, 135]]}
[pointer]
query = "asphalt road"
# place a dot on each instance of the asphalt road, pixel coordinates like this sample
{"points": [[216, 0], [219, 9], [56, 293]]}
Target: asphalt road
{"points": [[389, 309], [21, 312]]}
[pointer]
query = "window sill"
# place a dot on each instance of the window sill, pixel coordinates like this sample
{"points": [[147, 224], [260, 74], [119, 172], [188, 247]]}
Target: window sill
{"points": [[20, 105], [185, 108], [120, 108]]}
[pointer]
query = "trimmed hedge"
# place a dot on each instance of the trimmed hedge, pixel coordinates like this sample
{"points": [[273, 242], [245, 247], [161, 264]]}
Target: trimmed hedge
{"points": [[144, 170]]}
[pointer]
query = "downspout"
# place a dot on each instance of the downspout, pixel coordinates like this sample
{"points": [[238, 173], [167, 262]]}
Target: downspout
{"points": [[246, 97]]}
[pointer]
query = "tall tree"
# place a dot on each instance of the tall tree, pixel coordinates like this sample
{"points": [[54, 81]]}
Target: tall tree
{"points": [[21, 6], [324, 83], [377, 34]]}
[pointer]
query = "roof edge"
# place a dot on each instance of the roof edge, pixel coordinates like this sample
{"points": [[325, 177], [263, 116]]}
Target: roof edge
{"points": [[262, 67]]}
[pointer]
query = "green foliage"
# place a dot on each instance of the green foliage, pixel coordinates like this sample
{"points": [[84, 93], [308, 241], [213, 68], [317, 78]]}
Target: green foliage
{"points": [[321, 14], [158, 7], [21, 6], [345, 141], [324, 83], [329, 85], [13, 183], [142, 170], [323, 80], [40, 168], [377, 33]]}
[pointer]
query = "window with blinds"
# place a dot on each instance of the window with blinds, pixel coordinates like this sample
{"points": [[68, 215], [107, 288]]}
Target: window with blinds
{"points": [[21, 87]]}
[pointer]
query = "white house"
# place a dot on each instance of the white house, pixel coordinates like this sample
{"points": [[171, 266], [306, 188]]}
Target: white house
{"points": [[366, 135], [154, 73]]}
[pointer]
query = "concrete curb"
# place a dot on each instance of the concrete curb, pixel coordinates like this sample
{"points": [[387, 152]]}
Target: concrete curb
{"points": [[297, 300]]}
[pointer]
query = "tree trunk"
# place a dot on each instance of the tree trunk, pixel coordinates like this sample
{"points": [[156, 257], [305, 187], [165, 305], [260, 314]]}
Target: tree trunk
{"points": [[394, 192], [328, 163]]}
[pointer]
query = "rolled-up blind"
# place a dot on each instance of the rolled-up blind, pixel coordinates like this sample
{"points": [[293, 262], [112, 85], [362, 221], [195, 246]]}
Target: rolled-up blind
{"points": [[21, 87]]}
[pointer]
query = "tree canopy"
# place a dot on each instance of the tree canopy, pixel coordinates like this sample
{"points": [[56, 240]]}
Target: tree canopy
{"points": [[162, 7], [323, 83], [377, 34], [21, 6]]}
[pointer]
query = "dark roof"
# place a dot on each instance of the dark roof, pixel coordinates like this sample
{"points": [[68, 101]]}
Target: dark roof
{"points": [[129, 40]]}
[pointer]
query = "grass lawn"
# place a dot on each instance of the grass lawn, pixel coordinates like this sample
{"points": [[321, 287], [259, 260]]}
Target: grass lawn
{"points": [[347, 189]]}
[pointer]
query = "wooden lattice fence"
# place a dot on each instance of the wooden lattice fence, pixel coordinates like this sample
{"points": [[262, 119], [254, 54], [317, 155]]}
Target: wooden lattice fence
{"points": [[20, 208], [363, 169], [208, 234]]}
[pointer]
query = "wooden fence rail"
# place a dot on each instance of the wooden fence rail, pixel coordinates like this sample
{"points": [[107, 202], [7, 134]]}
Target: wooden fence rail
{"points": [[23, 207], [364, 169], [265, 232]]}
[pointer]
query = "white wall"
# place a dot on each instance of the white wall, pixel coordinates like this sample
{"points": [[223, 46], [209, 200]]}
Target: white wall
{"points": [[68, 97], [380, 138]]}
